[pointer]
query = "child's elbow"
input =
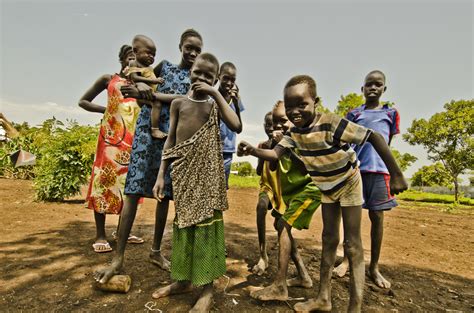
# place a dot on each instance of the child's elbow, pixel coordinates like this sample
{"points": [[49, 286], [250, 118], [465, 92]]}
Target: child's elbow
{"points": [[82, 104]]}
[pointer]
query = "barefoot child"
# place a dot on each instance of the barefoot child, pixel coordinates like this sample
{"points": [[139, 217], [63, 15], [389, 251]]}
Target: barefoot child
{"points": [[375, 175], [193, 148], [322, 140], [265, 197], [140, 70], [230, 92], [295, 199]]}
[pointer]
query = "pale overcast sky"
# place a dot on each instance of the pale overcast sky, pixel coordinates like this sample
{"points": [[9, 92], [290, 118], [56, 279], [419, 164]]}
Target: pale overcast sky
{"points": [[52, 51]]}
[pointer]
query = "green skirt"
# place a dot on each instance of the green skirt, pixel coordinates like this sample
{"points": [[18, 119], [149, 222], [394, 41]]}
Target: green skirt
{"points": [[198, 251]]}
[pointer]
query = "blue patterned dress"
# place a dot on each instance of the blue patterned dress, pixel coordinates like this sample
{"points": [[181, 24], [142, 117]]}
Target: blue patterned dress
{"points": [[146, 153]]}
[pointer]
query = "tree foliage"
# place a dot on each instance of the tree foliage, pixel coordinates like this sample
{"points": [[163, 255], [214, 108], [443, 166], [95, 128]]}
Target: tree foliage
{"points": [[348, 102], [432, 175], [243, 168], [448, 137], [404, 160]]}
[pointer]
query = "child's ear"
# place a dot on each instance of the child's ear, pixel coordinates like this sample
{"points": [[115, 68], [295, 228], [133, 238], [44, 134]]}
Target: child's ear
{"points": [[215, 81], [384, 88], [362, 89], [316, 100], [180, 48]]}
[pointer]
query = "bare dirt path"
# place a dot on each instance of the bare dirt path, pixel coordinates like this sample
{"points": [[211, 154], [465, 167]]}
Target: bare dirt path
{"points": [[46, 259]]}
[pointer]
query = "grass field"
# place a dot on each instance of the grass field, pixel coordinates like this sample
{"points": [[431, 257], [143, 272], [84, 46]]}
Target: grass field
{"points": [[409, 195]]}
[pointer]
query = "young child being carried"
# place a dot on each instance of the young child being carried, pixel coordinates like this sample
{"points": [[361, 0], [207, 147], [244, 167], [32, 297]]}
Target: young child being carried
{"points": [[375, 175], [193, 148], [294, 198], [140, 70], [323, 142]]}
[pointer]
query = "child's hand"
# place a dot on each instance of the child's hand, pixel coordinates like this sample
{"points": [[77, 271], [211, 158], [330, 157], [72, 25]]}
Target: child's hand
{"points": [[277, 135], [234, 92], [130, 91], [204, 88], [160, 80], [244, 148], [397, 184], [158, 189]]}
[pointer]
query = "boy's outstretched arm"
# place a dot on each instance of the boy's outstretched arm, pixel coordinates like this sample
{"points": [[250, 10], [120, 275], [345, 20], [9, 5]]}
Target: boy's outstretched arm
{"points": [[244, 148], [169, 143], [397, 181]]}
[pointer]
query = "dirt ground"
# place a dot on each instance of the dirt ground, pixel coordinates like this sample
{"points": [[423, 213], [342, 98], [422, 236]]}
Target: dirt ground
{"points": [[47, 260]]}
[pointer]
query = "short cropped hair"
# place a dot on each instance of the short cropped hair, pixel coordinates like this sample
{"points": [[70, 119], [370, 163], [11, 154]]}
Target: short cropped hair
{"points": [[190, 32], [209, 57], [141, 38], [268, 115], [227, 64], [303, 79], [278, 104], [124, 51], [376, 72]]}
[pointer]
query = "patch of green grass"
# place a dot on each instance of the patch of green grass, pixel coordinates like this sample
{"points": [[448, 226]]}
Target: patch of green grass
{"points": [[244, 181], [413, 195]]}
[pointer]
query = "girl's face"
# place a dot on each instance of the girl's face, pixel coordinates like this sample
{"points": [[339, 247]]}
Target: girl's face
{"points": [[190, 49], [126, 60]]}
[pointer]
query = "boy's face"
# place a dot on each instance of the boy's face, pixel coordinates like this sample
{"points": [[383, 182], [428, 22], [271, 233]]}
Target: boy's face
{"points": [[227, 78], [300, 105], [268, 125], [374, 86], [190, 49], [280, 120], [145, 53], [204, 71]]}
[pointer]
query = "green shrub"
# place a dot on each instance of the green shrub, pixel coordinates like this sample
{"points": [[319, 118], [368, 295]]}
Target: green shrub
{"points": [[66, 154]]}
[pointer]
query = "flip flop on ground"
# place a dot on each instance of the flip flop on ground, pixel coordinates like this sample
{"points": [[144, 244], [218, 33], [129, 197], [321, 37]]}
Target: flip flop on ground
{"points": [[101, 247], [131, 239]]}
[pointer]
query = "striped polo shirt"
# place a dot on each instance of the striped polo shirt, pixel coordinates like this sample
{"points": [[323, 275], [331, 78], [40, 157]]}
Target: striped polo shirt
{"points": [[325, 148]]}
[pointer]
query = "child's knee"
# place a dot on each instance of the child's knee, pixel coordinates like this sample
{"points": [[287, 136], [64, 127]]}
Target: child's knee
{"points": [[376, 217], [353, 248], [331, 239]]}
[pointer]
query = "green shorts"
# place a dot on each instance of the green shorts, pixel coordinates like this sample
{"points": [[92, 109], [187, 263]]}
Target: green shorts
{"points": [[300, 209]]}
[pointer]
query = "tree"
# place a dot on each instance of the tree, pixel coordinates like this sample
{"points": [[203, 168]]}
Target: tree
{"points": [[348, 102], [448, 137], [432, 175], [404, 160], [243, 168]]}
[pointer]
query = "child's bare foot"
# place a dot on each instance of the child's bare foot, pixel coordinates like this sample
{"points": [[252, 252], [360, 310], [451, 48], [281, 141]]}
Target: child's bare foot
{"points": [[313, 305], [204, 303], [104, 274], [159, 260], [378, 279], [157, 133], [260, 267], [272, 292], [299, 281], [341, 269], [174, 288]]}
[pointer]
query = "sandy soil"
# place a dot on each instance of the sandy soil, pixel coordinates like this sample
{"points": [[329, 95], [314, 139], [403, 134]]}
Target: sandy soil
{"points": [[47, 260]]}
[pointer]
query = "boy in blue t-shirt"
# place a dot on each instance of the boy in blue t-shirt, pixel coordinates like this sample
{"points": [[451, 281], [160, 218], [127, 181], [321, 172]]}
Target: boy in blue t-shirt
{"points": [[375, 176], [230, 92]]}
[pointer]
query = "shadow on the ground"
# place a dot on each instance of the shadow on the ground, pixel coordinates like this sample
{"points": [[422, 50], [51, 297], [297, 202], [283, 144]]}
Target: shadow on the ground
{"points": [[51, 270]]}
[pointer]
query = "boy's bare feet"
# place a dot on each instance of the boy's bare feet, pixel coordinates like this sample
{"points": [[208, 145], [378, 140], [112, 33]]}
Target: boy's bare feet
{"points": [[159, 260], [378, 279], [157, 133], [341, 269], [174, 288], [260, 267], [313, 305], [272, 292], [299, 281], [204, 303], [104, 274]]}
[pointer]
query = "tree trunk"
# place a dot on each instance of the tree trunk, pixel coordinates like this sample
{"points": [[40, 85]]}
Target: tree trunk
{"points": [[456, 189]]}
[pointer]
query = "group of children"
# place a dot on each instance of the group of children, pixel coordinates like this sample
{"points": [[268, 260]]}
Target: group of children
{"points": [[182, 150]]}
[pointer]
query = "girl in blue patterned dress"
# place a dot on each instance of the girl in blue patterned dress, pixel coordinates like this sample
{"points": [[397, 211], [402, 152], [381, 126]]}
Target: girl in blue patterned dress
{"points": [[146, 153]]}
